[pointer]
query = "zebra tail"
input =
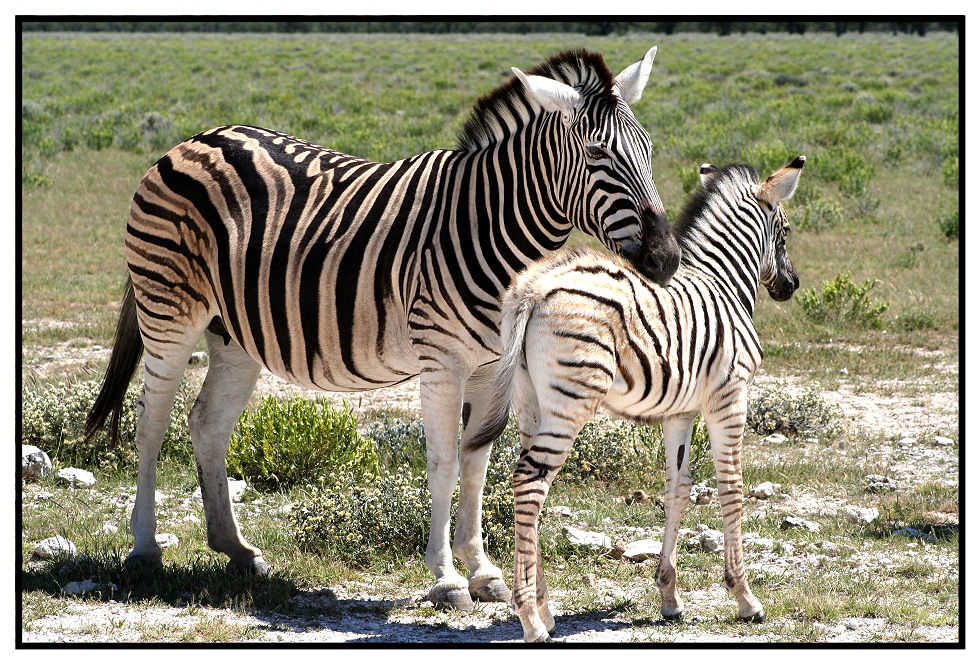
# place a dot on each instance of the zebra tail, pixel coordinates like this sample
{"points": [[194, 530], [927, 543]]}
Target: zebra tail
{"points": [[498, 411], [127, 349]]}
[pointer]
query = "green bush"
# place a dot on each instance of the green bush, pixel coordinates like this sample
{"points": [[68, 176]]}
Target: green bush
{"points": [[821, 215], [950, 170], [843, 302], [286, 442], [53, 419], [949, 225], [915, 320], [399, 443], [808, 415]]}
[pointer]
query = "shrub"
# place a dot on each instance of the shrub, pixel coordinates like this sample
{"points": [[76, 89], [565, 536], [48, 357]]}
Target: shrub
{"points": [[950, 170], [53, 419], [949, 225], [399, 443], [842, 301], [776, 411], [821, 215], [915, 320], [286, 442], [846, 167]]}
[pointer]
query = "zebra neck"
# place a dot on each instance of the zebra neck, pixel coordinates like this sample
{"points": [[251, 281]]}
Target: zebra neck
{"points": [[732, 261], [504, 200]]}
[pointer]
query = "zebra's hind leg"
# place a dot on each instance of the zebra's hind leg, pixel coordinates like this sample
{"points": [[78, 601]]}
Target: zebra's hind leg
{"points": [[725, 423], [485, 578], [676, 441], [231, 377], [441, 400], [164, 365]]}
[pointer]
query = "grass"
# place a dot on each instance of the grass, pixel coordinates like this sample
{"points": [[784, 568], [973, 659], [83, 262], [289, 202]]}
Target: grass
{"points": [[876, 114]]}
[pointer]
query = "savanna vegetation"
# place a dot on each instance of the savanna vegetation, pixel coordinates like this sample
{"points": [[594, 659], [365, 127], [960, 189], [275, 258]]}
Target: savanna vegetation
{"points": [[875, 243]]}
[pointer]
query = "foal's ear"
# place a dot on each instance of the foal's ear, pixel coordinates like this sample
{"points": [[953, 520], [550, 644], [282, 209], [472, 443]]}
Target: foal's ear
{"points": [[708, 172], [632, 80], [781, 184]]}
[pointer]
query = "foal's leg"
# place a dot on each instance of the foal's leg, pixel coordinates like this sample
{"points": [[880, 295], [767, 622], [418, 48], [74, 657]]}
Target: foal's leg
{"points": [[725, 418], [676, 440], [485, 578]]}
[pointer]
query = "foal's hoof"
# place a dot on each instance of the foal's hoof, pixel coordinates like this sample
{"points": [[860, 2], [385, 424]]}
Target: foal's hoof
{"points": [[489, 590], [675, 617], [256, 566], [449, 596], [757, 618]]}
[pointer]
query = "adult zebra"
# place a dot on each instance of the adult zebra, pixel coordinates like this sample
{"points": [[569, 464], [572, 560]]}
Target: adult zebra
{"points": [[581, 329], [342, 274]]}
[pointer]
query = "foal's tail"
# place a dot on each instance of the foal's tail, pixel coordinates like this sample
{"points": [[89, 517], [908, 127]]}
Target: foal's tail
{"points": [[516, 314], [127, 348]]}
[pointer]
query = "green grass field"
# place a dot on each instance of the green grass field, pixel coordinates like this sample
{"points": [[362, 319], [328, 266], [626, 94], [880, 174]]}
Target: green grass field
{"points": [[876, 115]]}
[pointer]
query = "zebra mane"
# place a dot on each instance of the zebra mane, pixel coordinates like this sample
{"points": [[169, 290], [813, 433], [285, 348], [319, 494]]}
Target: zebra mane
{"points": [[581, 69], [693, 210]]}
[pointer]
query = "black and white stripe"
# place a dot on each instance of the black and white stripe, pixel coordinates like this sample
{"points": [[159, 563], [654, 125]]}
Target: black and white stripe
{"points": [[339, 273], [583, 330]]}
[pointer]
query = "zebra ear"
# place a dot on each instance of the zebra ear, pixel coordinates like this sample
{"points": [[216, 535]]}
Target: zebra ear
{"points": [[708, 171], [781, 184], [632, 81], [553, 95]]}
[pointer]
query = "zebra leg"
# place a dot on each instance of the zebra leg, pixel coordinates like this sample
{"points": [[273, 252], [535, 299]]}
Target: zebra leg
{"points": [[725, 422], [485, 579], [536, 469], [441, 399], [231, 377], [164, 366], [676, 441]]}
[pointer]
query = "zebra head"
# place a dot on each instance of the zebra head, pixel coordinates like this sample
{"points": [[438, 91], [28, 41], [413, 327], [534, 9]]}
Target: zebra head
{"points": [[605, 157], [777, 274]]}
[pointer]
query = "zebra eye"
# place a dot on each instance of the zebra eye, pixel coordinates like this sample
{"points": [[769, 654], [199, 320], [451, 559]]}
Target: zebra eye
{"points": [[596, 151]]}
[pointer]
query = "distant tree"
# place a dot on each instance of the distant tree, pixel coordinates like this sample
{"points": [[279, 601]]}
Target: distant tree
{"points": [[840, 28]]}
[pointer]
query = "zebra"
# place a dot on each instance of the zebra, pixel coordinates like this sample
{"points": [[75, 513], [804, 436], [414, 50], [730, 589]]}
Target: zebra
{"points": [[582, 329], [338, 273]]}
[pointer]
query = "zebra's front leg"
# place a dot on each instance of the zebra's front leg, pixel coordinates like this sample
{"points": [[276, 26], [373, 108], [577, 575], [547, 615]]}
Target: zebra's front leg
{"points": [[230, 380], [725, 423], [676, 441], [485, 578], [441, 401]]}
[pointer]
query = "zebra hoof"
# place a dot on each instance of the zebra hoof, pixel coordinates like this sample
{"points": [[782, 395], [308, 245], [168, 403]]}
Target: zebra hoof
{"points": [[143, 562], [489, 590], [757, 618], [675, 617], [448, 596], [256, 566]]}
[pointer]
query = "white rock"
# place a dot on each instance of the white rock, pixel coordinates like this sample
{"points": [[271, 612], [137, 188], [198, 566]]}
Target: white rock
{"points": [[80, 586], [710, 540], [791, 522], [167, 540], [860, 516], [829, 547], [639, 551], [55, 546], [775, 438], [906, 442], [701, 493], [285, 509], [76, 477], [44, 495], [878, 483], [107, 528], [34, 463], [236, 489], [563, 511], [756, 542], [586, 539], [944, 441], [191, 518], [763, 490], [785, 548], [197, 359], [843, 371]]}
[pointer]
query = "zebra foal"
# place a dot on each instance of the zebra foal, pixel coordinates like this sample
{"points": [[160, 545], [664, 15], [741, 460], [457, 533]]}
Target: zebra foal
{"points": [[343, 274], [582, 329]]}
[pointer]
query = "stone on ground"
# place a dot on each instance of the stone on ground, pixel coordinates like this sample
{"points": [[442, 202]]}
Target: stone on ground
{"points": [[859, 515], [640, 551], [77, 478], [763, 490], [581, 538], [236, 489], [792, 522], [55, 546], [34, 463], [166, 540]]}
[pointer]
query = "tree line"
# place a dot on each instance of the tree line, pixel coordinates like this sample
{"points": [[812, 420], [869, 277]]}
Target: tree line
{"points": [[722, 28]]}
